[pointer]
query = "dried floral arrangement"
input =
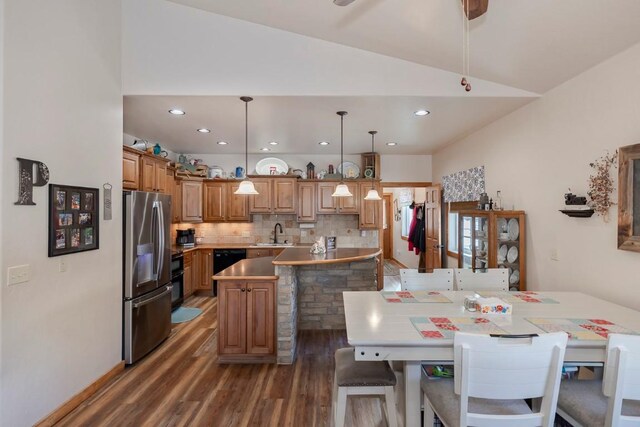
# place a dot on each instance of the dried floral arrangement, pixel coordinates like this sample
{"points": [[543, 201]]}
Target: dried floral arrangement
{"points": [[601, 184]]}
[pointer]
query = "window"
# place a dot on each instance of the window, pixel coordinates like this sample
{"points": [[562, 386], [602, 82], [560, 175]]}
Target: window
{"points": [[406, 214], [452, 232]]}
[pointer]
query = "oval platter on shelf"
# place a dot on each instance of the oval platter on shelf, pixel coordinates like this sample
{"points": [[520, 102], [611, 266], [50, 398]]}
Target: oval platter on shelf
{"points": [[513, 229], [351, 170], [263, 167]]}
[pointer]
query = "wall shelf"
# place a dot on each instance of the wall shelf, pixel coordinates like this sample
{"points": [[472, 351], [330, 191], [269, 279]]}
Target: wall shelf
{"points": [[578, 214]]}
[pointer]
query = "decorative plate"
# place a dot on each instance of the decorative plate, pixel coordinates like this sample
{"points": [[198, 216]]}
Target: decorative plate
{"points": [[368, 173], [514, 229], [515, 277], [271, 166], [502, 225], [351, 170], [502, 253], [512, 255]]}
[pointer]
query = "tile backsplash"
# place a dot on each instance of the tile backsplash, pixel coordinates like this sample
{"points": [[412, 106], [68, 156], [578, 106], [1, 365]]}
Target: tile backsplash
{"points": [[344, 227]]}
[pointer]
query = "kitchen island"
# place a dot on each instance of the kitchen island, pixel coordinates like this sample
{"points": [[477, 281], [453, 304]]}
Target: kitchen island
{"points": [[295, 290]]}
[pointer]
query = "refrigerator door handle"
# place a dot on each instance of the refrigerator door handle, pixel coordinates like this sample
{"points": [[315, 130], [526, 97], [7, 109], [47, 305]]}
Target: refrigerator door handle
{"points": [[161, 238], [157, 230], [150, 300]]}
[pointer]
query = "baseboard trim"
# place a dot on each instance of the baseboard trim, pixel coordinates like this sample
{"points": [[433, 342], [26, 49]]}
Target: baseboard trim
{"points": [[71, 404], [398, 263]]}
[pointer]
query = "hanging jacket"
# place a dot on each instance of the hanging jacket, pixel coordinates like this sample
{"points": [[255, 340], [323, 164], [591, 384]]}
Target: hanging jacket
{"points": [[412, 228], [419, 236]]}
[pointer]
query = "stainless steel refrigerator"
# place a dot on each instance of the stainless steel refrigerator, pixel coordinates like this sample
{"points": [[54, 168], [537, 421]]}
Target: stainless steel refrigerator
{"points": [[147, 279]]}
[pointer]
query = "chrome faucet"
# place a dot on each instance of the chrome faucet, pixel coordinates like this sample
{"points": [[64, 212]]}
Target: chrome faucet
{"points": [[275, 232]]}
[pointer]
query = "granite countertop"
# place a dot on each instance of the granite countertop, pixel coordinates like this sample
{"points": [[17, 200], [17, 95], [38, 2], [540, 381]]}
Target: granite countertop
{"points": [[176, 249], [249, 269], [302, 256]]}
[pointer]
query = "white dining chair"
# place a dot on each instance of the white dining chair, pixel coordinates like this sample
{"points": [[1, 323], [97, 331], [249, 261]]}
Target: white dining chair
{"points": [[363, 378], [492, 279], [612, 401], [493, 376], [441, 279]]}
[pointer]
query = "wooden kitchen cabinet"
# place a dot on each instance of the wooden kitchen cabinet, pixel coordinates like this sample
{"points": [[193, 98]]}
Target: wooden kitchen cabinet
{"points": [[191, 201], [276, 195], [326, 204], [130, 171], [195, 271], [154, 175], [237, 209], [220, 204], [246, 321], [176, 206], [306, 202], [206, 270], [259, 253], [187, 278], [370, 210]]}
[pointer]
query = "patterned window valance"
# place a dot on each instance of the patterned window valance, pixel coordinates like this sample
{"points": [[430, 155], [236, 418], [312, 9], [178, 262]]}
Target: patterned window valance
{"points": [[464, 186]]}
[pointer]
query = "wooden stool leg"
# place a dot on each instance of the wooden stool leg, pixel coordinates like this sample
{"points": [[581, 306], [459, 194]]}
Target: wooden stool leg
{"points": [[390, 402], [341, 408], [429, 416]]}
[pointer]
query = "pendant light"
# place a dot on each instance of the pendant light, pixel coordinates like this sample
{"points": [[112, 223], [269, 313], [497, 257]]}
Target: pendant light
{"points": [[342, 190], [246, 186], [373, 193]]}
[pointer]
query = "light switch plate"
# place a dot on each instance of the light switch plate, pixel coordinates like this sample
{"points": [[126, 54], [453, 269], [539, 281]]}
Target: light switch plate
{"points": [[18, 274]]}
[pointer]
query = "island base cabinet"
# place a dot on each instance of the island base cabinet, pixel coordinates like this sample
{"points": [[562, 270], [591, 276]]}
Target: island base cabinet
{"points": [[246, 321]]}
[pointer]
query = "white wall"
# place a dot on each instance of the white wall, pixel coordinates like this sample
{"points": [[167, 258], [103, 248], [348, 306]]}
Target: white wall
{"points": [[534, 154], [60, 331], [2, 276], [401, 168]]}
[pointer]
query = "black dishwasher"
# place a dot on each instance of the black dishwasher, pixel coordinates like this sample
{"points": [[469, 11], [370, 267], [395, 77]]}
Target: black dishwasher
{"points": [[223, 258]]}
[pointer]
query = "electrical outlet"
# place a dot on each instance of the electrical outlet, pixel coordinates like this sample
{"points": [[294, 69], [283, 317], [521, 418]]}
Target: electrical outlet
{"points": [[18, 274], [62, 267], [246, 234], [554, 255]]}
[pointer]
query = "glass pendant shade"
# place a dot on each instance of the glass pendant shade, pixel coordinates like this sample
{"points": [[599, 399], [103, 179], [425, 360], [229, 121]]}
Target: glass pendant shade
{"points": [[373, 195], [246, 187], [342, 191]]}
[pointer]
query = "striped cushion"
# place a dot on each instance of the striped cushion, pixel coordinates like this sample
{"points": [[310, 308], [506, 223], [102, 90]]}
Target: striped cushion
{"points": [[350, 373]]}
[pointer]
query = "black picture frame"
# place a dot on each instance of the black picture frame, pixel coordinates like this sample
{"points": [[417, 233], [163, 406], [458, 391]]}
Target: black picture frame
{"points": [[74, 219]]}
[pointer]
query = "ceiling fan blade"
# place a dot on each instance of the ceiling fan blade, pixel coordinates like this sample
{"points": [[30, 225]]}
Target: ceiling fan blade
{"points": [[475, 8], [343, 2]]}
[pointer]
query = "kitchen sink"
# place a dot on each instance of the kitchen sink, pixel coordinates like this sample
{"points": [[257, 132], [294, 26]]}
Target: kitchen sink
{"points": [[274, 245]]}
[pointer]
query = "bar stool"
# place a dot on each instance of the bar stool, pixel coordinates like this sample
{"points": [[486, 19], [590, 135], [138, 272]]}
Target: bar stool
{"points": [[361, 378]]}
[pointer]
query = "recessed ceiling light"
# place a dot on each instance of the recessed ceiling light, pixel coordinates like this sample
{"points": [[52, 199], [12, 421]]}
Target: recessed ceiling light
{"points": [[422, 113], [177, 112], [392, 144], [204, 130], [323, 143], [265, 149], [273, 143], [222, 143]]}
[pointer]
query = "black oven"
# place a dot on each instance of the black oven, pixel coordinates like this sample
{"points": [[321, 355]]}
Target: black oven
{"points": [[177, 280]]}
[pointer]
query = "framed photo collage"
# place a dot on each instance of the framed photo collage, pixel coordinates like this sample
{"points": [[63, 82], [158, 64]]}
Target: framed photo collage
{"points": [[73, 219]]}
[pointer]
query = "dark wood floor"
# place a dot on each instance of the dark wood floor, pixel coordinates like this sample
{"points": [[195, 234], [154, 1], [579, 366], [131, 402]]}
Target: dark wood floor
{"points": [[182, 384]]}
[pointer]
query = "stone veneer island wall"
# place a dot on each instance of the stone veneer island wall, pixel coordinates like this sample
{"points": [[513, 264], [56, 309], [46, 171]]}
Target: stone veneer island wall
{"points": [[310, 297]]}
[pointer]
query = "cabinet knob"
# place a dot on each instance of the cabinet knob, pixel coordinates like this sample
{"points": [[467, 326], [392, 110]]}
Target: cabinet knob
{"points": [[249, 290], [241, 289]]}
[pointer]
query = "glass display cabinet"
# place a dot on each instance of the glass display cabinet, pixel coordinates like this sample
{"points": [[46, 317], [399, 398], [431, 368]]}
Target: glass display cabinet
{"points": [[493, 239]]}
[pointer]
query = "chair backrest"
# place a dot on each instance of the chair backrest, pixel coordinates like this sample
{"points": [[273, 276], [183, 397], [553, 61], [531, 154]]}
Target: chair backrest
{"points": [[440, 280], [621, 378], [493, 279], [509, 368]]}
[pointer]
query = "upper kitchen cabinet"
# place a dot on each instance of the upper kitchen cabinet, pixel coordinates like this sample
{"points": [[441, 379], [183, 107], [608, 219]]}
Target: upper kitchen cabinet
{"points": [[307, 202], [221, 204], [276, 195], [130, 170], [327, 204], [144, 172], [174, 188], [154, 175], [370, 210], [191, 201]]}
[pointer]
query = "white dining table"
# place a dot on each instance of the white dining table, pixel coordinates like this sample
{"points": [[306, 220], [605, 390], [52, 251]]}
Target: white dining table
{"points": [[381, 330]]}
